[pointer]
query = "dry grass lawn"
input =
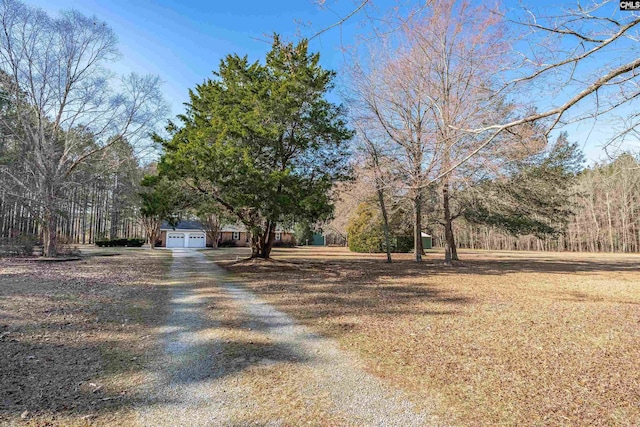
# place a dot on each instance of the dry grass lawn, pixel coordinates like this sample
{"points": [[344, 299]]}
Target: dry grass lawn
{"points": [[504, 338], [75, 336]]}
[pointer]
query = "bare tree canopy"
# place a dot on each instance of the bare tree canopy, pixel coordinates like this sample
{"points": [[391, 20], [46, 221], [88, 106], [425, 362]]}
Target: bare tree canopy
{"points": [[61, 104], [570, 62], [418, 88], [578, 63]]}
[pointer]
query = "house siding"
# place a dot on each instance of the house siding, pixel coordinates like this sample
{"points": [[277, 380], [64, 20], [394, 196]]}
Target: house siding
{"points": [[287, 238], [244, 240]]}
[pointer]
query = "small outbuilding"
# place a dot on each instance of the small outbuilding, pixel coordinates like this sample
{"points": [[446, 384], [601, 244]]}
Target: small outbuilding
{"points": [[318, 239], [427, 241]]}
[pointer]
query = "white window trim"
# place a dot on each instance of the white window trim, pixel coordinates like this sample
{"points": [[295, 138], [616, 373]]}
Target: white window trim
{"points": [[278, 236], [235, 235]]}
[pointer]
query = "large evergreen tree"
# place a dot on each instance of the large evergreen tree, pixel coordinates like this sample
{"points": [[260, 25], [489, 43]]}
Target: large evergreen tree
{"points": [[534, 196], [263, 141]]}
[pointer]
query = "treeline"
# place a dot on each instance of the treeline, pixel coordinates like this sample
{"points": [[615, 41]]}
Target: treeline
{"points": [[68, 126], [606, 216], [102, 202]]}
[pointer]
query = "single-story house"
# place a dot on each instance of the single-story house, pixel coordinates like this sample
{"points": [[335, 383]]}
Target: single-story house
{"points": [[190, 234]]}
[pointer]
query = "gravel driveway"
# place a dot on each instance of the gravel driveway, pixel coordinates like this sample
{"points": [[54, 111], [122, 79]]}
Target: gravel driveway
{"points": [[230, 359]]}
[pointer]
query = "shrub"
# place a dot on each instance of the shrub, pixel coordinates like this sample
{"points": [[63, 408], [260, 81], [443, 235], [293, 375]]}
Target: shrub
{"points": [[227, 244], [136, 243], [366, 233], [281, 244], [365, 230], [21, 245], [132, 243]]}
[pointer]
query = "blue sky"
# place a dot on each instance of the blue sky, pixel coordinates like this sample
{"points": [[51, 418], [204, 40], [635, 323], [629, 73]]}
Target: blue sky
{"points": [[183, 41]]}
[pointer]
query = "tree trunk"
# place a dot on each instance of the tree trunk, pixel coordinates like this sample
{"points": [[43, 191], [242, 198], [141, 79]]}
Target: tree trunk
{"points": [[212, 225], [49, 232], [268, 246], [268, 240], [417, 226], [152, 230], [115, 209], [262, 243], [260, 248], [449, 243], [385, 223], [610, 224], [255, 245]]}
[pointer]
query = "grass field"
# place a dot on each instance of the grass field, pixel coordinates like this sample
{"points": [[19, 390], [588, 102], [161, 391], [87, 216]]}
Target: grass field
{"points": [[75, 336], [505, 338]]}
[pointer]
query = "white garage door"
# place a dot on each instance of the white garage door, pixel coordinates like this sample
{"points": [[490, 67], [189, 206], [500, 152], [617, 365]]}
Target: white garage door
{"points": [[197, 240], [175, 240]]}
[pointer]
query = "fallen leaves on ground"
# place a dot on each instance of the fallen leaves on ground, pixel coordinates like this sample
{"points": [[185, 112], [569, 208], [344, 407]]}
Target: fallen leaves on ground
{"points": [[508, 338], [74, 335]]}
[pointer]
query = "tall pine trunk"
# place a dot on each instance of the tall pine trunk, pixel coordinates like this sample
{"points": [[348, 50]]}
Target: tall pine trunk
{"points": [[49, 217], [385, 222], [114, 223]]}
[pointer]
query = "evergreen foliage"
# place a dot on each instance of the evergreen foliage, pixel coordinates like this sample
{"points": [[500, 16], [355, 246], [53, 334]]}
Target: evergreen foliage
{"points": [[366, 234], [534, 197], [303, 233], [365, 230], [262, 141]]}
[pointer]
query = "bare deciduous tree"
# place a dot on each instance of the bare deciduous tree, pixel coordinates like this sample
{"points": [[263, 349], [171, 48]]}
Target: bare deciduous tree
{"points": [[348, 196], [376, 165], [420, 89], [581, 60], [65, 105]]}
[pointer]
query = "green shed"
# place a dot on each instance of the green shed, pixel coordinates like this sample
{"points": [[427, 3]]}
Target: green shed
{"points": [[427, 241], [318, 239]]}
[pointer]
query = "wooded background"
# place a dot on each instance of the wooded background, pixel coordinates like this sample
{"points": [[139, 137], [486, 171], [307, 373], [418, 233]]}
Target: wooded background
{"points": [[440, 139], [102, 203]]}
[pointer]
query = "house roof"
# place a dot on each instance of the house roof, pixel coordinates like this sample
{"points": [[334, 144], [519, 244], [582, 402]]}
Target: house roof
{"points": [[233, 227], [197, 225], [182, 225], [242, 229]]}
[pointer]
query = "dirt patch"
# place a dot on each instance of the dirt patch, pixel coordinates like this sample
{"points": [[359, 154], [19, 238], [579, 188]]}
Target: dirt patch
{"points": [[504, 338], [75, 336]]}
